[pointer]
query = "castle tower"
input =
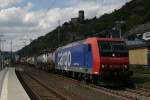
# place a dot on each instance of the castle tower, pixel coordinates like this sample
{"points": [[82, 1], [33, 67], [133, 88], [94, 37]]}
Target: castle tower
{"points": [[81, 15]]}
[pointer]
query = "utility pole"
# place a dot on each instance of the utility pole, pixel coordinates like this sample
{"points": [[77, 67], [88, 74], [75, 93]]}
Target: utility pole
{"points": [[58, 33], [11, 46], [119, 23], [1, 62], [11, 43], [1, 42]]}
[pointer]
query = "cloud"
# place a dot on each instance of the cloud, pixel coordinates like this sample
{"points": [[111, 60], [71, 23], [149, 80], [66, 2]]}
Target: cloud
{"points": [[8, 3], [18, 21], [28, 6]]}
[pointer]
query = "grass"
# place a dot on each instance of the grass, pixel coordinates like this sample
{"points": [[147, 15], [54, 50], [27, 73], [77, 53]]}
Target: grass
{"points": [[141, 75]]}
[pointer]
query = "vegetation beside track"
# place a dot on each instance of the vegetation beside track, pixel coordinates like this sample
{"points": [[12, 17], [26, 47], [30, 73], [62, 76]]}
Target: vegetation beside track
{"points": [[141, 75]]}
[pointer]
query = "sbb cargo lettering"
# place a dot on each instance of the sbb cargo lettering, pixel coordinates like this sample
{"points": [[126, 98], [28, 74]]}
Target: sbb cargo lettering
{"points": [[65, 59]]}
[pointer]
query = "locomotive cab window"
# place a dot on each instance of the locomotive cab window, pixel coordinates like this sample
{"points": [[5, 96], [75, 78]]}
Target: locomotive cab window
{"points": [[107, 48]]}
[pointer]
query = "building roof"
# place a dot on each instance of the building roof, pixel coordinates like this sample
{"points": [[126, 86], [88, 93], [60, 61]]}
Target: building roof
{"points": [[140, 29], [137, 44]]}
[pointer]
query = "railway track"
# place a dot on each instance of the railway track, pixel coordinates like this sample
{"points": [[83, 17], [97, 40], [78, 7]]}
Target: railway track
{"points": [[121, 94], [126, 94], [38, 90], [141, 92], [145, 89]]}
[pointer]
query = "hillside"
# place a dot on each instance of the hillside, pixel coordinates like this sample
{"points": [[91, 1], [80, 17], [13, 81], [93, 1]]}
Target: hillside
{"points": [[133, 13]]}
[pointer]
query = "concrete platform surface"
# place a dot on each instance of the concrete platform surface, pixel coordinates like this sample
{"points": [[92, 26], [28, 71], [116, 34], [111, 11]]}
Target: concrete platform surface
{"points": [[12, 88], [2, 75]]}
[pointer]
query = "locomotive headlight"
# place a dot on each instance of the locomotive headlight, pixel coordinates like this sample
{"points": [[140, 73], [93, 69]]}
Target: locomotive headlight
{"points": [[103, 66], [125, 66]]}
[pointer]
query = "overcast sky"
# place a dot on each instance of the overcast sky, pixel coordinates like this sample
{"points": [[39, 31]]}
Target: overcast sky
{"points": [[24, 20]]}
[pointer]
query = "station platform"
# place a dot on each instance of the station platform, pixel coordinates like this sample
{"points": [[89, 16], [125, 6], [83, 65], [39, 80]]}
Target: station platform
{"points": [[2, 75], [11, 88]]}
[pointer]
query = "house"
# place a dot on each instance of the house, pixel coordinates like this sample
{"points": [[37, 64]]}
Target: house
{"points": [[139, 52]]}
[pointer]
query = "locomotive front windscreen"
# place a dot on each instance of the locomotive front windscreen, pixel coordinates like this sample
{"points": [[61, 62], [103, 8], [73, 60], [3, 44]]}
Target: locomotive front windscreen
{"points": [[112, 48]]}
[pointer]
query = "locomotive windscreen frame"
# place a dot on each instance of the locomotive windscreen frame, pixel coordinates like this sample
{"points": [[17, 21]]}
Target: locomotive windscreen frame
{"points": [[112, 48]]}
